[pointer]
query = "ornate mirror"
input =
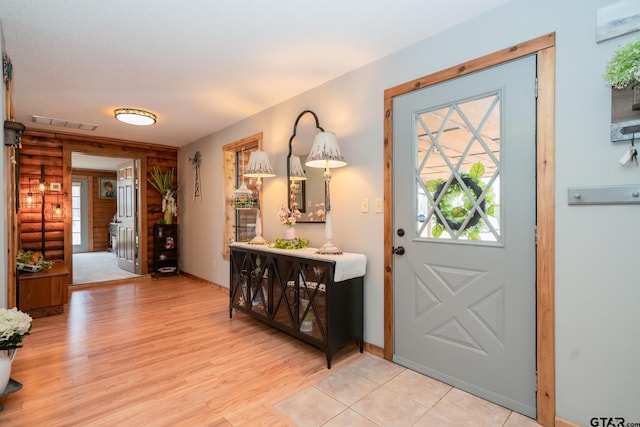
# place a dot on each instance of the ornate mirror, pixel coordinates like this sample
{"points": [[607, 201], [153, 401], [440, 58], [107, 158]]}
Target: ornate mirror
{"points": [[306, 185]]}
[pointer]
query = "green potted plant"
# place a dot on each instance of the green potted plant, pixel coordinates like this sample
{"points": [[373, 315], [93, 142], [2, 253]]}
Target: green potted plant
{"points": [[163, 182], [623, 69]]}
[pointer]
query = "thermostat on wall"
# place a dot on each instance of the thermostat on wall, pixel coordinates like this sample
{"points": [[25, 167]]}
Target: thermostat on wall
{"points": [[55, 186]]}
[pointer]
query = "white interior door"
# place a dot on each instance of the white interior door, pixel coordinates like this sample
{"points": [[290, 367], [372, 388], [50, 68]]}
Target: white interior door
{"points": [[127, 217], [464, 212]]}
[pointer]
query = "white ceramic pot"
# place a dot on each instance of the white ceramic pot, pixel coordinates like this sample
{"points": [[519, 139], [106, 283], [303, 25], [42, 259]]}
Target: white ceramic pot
{"points": [[6, 358], [289, 233]]}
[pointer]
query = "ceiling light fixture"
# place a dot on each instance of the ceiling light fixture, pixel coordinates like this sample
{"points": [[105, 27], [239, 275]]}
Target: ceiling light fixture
{"points": [[134, 116]]}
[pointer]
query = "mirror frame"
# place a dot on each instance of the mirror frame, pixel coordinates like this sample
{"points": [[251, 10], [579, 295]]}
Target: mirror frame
{"points": [[293, 135]]}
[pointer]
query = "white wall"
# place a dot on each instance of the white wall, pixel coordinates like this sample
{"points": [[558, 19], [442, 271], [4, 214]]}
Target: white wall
{"points": [[597, 287]]}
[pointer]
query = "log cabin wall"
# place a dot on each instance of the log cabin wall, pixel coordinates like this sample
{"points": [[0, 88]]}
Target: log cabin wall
{"points": [[101, 211], [34, 159], [53, 149]]}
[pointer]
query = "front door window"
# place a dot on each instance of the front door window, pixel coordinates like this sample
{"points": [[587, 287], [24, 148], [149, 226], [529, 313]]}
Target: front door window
{"points": [[458, 170]]}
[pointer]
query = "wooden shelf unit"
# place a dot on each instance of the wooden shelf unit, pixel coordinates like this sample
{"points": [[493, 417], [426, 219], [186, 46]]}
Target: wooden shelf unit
{"points": [[165, 249]]}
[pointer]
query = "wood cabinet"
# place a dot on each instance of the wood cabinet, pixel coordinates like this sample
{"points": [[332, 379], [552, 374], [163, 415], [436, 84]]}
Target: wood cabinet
{"points": [[44, 293], [308, 296], [165, 249]]}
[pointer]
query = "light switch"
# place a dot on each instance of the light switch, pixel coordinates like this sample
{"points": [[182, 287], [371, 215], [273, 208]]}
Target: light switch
{"points": [[364, 205], [378, 205]]}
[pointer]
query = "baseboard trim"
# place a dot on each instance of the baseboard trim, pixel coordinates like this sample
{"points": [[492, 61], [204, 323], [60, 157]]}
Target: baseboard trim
{"points": [[561, 422], [205, 281]]}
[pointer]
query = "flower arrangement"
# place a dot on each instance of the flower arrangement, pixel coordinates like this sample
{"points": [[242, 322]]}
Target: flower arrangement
{"points": [[32, 258], [288, 216], [624, 67], [163, 183], [14, 326], [169, 203]]}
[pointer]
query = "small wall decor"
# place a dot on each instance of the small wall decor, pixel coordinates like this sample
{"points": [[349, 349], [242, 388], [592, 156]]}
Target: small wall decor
{"points": [[106, 188], [623, 75], [617, 19], [197, 190]]}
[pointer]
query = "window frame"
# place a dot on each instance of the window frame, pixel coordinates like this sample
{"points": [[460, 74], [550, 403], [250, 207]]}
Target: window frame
{"points": [[230, 174]]}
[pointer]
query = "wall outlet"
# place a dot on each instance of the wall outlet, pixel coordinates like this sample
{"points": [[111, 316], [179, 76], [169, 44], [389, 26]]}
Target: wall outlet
{"points": [[215, 263], [364, 205]]}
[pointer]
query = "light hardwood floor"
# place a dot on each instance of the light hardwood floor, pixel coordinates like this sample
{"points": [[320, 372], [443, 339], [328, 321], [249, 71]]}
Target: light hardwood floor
{"points": [[158, 352]]}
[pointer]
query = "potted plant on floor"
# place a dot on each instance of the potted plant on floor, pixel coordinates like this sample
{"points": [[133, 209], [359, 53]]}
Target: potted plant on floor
{"points": [[14, 326]]}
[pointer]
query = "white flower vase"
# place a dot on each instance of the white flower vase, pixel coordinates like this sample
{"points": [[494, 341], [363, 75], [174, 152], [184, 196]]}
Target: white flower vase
{"points": [[6, 358], [289, 233]]}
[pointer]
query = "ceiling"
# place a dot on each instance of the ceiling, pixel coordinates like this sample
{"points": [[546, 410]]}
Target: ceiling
{"points": [[199, 65]]}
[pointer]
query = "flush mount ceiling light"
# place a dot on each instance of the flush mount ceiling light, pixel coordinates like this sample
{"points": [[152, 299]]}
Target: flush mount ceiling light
{"points": [[134, 116]]}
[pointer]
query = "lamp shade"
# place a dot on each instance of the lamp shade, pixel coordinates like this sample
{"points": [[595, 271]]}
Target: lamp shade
{"points": [[296, 173], [259, 165], [325, 152]]}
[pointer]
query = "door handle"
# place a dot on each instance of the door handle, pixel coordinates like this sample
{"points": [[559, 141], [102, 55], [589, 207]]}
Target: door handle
{"points": [[399, 250]]}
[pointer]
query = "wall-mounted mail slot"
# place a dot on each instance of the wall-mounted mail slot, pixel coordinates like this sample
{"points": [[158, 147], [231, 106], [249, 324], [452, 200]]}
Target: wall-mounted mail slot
{"points": [[615, 194]]}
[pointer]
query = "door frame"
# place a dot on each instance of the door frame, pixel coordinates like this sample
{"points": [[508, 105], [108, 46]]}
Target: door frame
{"points": [[125, 151], [544, 48]]}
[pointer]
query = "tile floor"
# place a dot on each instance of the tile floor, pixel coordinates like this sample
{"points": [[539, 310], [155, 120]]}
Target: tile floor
{"points": [[375, 392]]}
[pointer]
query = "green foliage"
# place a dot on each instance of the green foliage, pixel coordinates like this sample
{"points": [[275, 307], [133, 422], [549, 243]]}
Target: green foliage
{"points": [[297, 243], [455, 204], [624, 67], [33, 258], [162, 182]]}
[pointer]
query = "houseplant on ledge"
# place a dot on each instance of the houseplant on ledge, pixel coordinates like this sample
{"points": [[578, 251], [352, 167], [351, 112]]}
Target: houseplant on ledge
{"points": [[14, 326], [163, 183], [623, 70]]}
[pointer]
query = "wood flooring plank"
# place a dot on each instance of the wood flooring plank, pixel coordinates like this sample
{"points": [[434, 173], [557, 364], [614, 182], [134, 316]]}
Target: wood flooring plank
{"points": [[158, 352]]}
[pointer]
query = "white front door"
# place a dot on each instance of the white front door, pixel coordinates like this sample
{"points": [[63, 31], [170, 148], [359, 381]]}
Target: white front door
{"points": [[464, 213]]}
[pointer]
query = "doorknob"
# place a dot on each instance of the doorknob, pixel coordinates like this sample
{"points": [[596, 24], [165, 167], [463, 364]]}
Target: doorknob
{"points": [[399, 250]]}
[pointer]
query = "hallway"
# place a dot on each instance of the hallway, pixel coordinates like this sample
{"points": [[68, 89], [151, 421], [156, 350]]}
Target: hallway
{"points": [[91, 267]]}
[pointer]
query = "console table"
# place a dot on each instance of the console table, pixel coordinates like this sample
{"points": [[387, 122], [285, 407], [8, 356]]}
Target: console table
{"points": [[315, 298], [44, 293]]}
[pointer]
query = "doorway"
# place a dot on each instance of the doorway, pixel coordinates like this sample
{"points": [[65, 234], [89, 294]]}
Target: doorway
{"points": [[95, 219], [544, 48]]}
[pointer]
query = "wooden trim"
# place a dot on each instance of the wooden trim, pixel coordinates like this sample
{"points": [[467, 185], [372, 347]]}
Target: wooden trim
{"points": [[67, 178], [560, 422], [221, 288], [228, 181], [544, 47], [13, 225], [545, 270], [374, 349], [478, 64], [96, 144]]}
